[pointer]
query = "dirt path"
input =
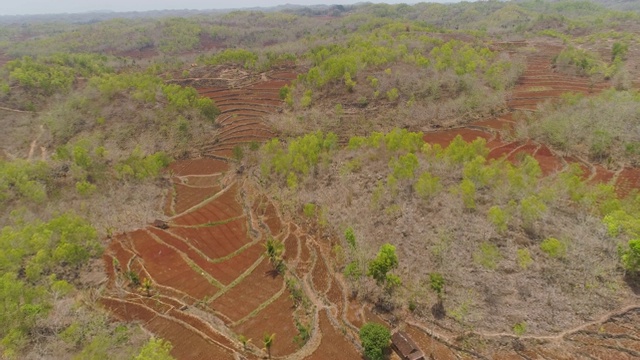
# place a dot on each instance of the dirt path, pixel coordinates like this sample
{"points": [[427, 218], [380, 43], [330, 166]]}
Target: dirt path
{"points": [[34, 143]]}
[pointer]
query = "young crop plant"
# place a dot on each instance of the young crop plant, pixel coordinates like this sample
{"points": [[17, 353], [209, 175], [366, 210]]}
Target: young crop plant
{"points": [[304, 333], [267, 341]]}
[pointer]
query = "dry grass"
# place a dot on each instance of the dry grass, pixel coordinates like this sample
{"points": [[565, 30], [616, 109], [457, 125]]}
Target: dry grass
{"points": [[440, 235]]}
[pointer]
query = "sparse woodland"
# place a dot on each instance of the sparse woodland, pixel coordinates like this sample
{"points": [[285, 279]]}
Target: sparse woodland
{"points": [[471, 235]]}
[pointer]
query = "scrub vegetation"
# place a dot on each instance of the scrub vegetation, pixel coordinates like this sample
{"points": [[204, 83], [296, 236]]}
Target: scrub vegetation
{"points": [[340, 141]]}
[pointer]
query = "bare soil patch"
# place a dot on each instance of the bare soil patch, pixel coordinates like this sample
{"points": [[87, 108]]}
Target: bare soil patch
{"points": [[277, 319], [333, 345], [261, 285]]}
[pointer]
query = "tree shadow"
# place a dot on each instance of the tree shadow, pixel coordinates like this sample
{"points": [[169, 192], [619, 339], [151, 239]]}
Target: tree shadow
{"points": [[273, 273], [633, 281], [438, 311]]}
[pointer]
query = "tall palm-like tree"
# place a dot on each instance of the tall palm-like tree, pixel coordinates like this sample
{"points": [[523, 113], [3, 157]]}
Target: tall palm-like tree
{"points": [[274, 249], [267, 340]]}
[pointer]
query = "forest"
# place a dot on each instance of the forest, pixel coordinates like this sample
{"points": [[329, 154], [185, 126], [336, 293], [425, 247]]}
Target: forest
{"points": [[300, 182]]}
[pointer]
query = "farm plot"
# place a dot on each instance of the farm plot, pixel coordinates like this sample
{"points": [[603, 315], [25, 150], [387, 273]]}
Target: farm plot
{"points": [[210, 257], [538, 84]]}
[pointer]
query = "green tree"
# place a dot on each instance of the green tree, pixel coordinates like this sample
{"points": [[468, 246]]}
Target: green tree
{"points": [[405, 166], [436, 282], [427, 185], [631, 256], [554, 247], [499, 218], [155, 349], [350, 236], [385, 261], [375, 340]]}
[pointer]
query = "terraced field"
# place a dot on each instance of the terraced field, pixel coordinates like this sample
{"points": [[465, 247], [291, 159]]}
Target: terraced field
{"points": [[539, 84], [204, 279], [243, 111], [207, 278]]}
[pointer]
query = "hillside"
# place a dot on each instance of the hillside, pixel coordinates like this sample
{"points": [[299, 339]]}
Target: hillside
{"points": [[266, 184]]}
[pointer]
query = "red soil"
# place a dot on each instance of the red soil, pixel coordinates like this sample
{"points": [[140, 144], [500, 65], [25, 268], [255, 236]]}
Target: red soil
{"points": [[539, 84], [272, 220], [187, 341], [271, 320], [628, 180], [549, 163], [168, 268], [261, 285], [291, 247], [219, 209], [226, 271], [202, 166], [320, 275], [335, 294], [243, 111], [189, 196], [431, 348], [333, 345], [216, 241], [353, 313], [185, 260], [209, 244]]}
